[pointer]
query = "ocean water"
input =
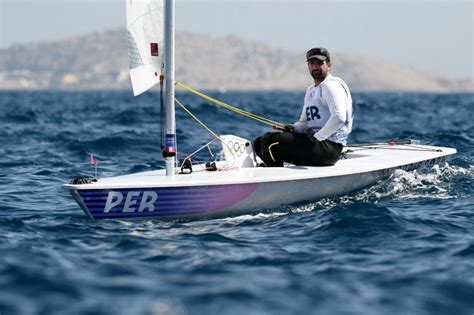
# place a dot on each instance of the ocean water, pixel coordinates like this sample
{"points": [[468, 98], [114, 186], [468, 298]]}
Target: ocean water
{"points": [[402, 246]]}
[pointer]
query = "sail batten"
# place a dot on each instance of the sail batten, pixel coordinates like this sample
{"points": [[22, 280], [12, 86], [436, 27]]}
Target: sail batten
{"points": [[145, 27]]}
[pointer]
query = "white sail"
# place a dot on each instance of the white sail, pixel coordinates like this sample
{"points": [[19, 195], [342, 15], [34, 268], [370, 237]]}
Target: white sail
{"points": [[145, 42]]}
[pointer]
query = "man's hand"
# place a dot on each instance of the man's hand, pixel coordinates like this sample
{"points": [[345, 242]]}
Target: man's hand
{"points": [[289, 128]]}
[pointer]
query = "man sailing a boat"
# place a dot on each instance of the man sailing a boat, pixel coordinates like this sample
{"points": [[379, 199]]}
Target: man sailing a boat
{"points": [[318, 137]]}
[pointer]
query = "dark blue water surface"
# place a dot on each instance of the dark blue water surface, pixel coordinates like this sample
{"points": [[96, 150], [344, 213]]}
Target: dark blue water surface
{"points": [[402, 246]]}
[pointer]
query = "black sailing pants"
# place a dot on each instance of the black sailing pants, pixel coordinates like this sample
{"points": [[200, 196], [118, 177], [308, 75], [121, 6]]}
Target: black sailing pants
{"points": [[274, 148]]}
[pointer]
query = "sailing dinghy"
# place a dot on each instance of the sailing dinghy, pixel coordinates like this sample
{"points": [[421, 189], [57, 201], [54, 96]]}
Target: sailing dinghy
{"points": [[235, 185]]}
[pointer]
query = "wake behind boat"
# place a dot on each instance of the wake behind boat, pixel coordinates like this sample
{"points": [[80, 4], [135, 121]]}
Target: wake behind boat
{"points": [[237, 184]]}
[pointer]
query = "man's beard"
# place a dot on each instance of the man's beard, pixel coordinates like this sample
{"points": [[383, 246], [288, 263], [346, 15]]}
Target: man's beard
{"points": [[318, 75]]}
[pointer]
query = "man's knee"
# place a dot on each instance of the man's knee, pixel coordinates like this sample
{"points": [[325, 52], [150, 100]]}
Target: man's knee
{"points": [[268, 146], [286, 138]]}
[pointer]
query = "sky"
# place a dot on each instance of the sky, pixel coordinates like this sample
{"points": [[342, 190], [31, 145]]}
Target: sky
{"points": [[431, 35]]}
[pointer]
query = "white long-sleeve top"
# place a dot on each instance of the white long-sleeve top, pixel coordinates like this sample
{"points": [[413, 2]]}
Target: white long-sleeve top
{"points": [[327, 110]]}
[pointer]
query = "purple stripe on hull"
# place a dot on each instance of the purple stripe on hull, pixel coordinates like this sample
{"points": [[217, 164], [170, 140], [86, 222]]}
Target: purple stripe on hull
{"points": [[149, 202]]}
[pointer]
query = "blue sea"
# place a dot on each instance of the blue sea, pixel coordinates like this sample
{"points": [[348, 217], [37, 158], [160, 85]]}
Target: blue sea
{"points": [[402, 246]]}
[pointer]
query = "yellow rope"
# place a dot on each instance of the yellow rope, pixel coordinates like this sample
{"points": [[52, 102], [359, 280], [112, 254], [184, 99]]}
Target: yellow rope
{"points": [[197, 119], [230, 107]]}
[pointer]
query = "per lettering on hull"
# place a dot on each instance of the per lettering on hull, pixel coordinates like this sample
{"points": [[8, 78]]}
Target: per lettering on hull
{"points": [[130, 202]]}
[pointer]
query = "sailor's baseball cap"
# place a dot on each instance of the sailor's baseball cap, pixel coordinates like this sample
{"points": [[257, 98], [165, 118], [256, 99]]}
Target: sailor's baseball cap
{"points": [[320, 53]]}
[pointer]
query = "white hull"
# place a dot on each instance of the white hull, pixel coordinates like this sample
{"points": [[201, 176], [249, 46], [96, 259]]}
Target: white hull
{"points": [[205, 194]]}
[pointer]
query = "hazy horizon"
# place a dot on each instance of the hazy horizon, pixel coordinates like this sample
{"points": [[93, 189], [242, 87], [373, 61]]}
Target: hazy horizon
{"points": [[436, 36]]}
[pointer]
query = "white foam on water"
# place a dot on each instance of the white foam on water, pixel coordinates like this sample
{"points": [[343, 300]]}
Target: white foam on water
{"points": [[434, 183], [249, 217], [316, 205]]}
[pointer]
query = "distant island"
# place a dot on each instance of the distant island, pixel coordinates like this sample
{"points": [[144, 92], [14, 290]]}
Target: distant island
{"points": [[99, 61]]}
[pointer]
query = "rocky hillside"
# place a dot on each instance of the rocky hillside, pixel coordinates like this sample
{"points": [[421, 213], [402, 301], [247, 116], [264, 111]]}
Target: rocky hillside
{"points": [[99, 61]]}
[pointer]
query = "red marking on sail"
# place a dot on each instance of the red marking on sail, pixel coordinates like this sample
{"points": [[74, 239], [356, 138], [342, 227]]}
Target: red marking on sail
{"points": [[154, 49]]}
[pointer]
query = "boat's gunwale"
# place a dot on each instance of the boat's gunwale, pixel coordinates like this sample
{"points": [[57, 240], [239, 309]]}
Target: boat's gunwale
{"points": [[443, 153]]}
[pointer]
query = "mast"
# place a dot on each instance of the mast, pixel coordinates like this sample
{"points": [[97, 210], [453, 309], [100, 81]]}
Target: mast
{"points": [[170, 139]]}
